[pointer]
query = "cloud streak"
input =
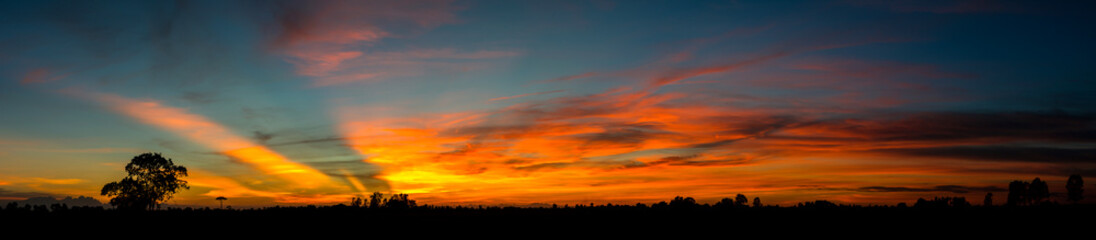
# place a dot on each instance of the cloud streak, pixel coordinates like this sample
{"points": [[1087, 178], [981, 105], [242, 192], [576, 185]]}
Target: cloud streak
{"points": [[214, 136], [524, 95]]}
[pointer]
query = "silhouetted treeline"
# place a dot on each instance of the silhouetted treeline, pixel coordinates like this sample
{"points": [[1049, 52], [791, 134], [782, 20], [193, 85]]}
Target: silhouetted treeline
{"points": [[400, 210], [401, 203], [682, 214]]}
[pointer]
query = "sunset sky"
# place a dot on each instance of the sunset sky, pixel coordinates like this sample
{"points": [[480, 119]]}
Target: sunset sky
{"points": [[521, 102]]}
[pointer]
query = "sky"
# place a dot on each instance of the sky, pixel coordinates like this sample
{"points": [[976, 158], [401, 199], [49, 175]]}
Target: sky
{"points": [[569, 102]]}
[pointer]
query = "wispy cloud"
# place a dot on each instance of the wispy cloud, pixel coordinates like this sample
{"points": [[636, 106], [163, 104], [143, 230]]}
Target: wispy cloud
{"points": [[332, 41], [571, 77], [41, 75], [525, 95]]}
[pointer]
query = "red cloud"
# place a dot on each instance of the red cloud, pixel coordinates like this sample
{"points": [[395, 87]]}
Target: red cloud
{"points": [[40, 75]]}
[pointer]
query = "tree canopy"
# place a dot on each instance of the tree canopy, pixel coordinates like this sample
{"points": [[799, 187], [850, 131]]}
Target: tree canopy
{"points": [[151, 180], [1075, 188]]}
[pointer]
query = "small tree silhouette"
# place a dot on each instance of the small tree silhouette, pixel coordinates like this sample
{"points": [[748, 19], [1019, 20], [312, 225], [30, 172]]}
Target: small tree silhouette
{"points": [[1075, 188], [989, 200], [683, 202], [399, 201], [1038, 191], [741, 200], [151, 180], [757, 202], [1017, 193], [725, 203], [356, 202], [222, 200], [376, 200]]}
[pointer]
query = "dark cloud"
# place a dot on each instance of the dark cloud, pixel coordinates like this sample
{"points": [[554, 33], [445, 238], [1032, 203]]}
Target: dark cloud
{"points": [[607, 165], [1003, 153], [263, 114], [1057, 126], [941, 188], [516, 161], [622, 135], [80, 201], [954, 7], [172, 40], [339, 140], [200, 97], [8, 194], [692, 160], [261, 137], [715, 144]]}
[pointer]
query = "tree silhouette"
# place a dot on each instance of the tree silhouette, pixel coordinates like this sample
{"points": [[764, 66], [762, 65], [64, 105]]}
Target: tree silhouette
{"points": [[741, 200], [757, 202], [1074, 187], [725, 202], [942, 202], [151, 180], [683, 202], [1038, 191], [1017, 193], [222, 200], [989, 200], [399, 201], [356, 201], [376, 200]]}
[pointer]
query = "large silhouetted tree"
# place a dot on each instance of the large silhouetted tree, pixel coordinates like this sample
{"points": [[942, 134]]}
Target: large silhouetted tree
{"points": [[1075, 188], [151, 180]]}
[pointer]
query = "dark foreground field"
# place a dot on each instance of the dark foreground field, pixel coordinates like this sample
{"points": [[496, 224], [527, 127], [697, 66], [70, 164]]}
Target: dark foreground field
{"points": [[1000, 221]]}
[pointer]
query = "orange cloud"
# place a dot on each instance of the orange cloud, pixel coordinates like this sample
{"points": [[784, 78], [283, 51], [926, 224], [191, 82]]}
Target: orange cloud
{"points": [[66, 181], [624, 146]]}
